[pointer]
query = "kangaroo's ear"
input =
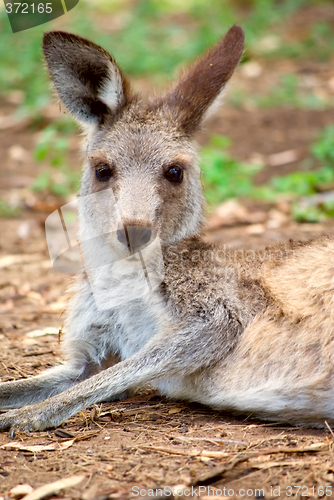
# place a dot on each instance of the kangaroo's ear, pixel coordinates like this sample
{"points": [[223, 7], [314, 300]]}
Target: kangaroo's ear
{"points": [[201, 86], [86, 78]]}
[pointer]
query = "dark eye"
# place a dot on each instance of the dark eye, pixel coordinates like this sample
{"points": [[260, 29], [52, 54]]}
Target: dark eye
{"points": [[103, 173], [174, 173]]}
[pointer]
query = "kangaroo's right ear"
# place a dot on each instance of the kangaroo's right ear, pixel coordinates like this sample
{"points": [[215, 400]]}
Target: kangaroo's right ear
{"points": [[87, 79]]}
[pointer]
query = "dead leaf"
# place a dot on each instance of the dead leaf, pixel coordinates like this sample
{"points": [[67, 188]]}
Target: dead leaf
{"points": [[54, 488], [42, 206], [37, 448], [221, 454], [18, 153], [269, 465], [255, 229], [276, 219], [251, 69], [56, 306], [283, 158], [216, 441], [11, 260], [175, 410], [20, 490], [49, 330], [232, 212], [187, 453]]}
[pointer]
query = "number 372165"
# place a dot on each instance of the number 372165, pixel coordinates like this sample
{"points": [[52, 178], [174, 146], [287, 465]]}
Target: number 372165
{"points": [[25, 8], [305, 491]]}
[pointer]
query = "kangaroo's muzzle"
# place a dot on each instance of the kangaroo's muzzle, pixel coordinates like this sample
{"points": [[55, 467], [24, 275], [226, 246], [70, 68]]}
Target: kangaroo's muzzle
{"points": [[135, 237]]}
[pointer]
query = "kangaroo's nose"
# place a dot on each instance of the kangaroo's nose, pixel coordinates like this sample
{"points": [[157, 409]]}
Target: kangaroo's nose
{"points": [[134, 237]]}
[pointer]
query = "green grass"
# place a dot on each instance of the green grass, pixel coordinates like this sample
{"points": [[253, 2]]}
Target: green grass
{"points": [[288, 93], [224, 178], [151, 38], [317, 44], [323, 148], [7, 210], [53, 147]]}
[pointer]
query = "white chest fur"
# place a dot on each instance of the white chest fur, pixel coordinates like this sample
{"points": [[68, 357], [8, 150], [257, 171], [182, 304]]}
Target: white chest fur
{"points": [[114, 312]]}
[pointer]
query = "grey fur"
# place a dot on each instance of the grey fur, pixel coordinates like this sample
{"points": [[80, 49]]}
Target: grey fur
{"points": [[248, 334]]}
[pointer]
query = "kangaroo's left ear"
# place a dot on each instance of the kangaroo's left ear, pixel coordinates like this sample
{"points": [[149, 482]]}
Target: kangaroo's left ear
{"points": [[87, 79], [201, 86]]}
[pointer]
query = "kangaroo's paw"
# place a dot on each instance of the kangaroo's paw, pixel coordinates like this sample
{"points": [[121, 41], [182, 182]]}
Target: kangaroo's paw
{"points": [[36, 417]]}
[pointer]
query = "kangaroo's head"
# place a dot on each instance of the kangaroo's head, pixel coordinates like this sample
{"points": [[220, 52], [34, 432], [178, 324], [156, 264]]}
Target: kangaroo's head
{"points": [[140, 159]]}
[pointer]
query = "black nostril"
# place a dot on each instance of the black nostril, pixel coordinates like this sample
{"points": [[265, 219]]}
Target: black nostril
{"points": [[145, 237], [121, 236], [134, 237]]}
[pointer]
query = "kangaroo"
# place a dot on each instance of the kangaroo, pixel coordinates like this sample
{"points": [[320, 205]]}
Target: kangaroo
{"points": [[212, 325]]}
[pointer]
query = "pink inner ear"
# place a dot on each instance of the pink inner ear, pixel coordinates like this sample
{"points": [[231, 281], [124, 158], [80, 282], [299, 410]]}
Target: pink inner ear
{"points": [[203, 82]]}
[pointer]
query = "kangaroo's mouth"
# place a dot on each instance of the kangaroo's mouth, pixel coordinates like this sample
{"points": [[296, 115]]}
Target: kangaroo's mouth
{"points": [[133, 258]]}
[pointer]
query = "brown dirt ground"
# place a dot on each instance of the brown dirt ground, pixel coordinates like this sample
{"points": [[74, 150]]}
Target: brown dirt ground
{"points": [[147, 441]]}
